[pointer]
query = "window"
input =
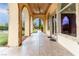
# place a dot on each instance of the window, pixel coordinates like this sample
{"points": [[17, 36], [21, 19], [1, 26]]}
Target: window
{"points": [[68, 20], [68, 24], [52, 24]]}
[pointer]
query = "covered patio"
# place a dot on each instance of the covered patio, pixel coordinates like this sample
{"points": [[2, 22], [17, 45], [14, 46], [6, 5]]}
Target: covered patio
{"points": [[59, 34]]}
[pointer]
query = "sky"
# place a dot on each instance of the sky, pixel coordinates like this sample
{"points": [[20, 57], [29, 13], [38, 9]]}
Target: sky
{"points": [[3, 13]]}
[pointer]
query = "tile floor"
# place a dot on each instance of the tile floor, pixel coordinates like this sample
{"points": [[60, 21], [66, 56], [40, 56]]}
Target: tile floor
{"points": [[38, 44]]}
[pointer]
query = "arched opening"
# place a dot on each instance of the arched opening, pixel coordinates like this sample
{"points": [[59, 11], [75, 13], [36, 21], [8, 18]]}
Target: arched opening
{"points": [[25, 23], [4, 24], [38, 24]]}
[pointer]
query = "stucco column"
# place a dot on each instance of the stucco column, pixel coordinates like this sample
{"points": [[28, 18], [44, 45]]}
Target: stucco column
{"points": [[50, 26], [77, 21], [13, 25], [46, 24], [58, 19], [31, 23], [54, 25], [58, 23]]}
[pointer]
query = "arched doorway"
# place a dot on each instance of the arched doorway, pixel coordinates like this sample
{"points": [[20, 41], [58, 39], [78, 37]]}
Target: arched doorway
{"points": [[38, 24], [4, 20]]}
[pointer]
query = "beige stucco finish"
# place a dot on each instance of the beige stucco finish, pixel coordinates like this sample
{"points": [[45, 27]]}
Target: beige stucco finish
{"points": [[13, 25]]}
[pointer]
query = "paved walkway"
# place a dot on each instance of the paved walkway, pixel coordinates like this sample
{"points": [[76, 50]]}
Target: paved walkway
{"points": [[38, 44]]}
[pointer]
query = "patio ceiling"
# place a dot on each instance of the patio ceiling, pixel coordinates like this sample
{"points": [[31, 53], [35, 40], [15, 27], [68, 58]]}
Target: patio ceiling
{"points": [[39, 8]]}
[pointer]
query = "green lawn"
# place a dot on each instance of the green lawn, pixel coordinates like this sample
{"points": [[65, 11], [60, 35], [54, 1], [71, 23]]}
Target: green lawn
{"points": [[34, 30], [23, 32], [3, 38]]}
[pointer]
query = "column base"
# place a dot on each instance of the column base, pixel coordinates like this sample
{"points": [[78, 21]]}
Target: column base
{"points": [[20, 44], [51, 39]]}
